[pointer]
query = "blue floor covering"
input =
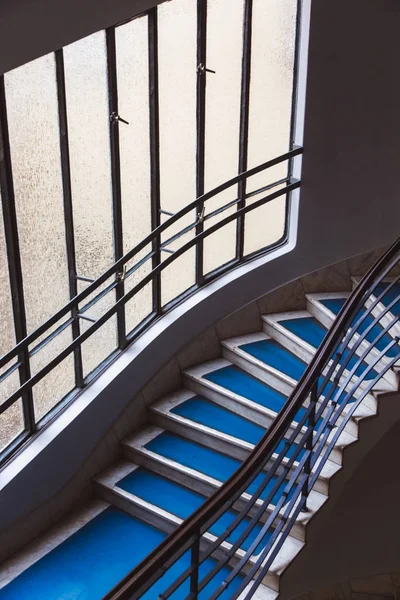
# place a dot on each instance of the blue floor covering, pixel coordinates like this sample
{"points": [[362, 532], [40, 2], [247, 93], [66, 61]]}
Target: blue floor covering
{"points": [[95, 558], [206, 461], [312, 332], [182, 502]]}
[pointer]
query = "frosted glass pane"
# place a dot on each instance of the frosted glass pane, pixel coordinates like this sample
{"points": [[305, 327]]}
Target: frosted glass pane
{"points": [[7, 337], [264, 226], [11, 424], [133, 99], [177, 81], [224, 55], [88, 120], [180, 275], [103, 342], [31, 94], [141, 305], [177, 32], [274, 34], [60, 381], [34, 138]]}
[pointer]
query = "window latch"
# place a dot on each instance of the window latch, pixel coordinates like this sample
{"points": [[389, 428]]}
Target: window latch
{"points": [[201, 216], [201, 69], [115, 118]]}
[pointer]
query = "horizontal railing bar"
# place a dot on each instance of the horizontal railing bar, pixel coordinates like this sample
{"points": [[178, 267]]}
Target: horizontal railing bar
{"points": [[108, 314], [171, 545], [83, 278], [267, 187], [98, 297], [145, 242], [51, 337], [10, 371]]}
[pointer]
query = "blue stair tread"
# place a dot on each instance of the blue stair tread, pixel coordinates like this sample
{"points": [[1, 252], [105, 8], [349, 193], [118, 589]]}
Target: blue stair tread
{"points": [[180, 501], [391, 295], [335, 305], [273, 354], [95, 558], [312, 332], [208, 413], [209, 462], [90, 562], [235, 380], [183, 591]]}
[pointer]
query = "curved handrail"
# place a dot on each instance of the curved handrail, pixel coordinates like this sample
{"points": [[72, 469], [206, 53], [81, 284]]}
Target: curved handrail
{"points": [[335, 343]]}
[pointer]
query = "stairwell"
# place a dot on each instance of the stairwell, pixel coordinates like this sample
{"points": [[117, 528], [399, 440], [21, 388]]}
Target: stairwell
{"points": [[194, 439]]}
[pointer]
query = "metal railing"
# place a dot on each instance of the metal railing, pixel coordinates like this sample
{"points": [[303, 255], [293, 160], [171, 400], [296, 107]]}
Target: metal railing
{"points": [[144, 265], [358, 350], [120, 272]]}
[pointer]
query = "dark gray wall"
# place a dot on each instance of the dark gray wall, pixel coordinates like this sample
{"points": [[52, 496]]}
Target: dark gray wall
{"points": [[349, 201], [32, 28], [362, 534]]}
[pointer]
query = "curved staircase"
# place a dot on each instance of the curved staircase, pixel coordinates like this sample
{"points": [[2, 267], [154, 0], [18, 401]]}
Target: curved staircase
{"points": [[195, 438]]}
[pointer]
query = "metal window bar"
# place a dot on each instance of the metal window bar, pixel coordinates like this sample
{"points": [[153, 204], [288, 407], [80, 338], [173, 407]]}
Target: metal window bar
{"points": [[114, 269], [68, 211], [114, 121], [14, 260], [155, 192], [244, 118], [149, 277], [200, 128]]}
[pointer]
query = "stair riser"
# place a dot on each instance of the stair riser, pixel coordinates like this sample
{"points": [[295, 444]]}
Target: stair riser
{"points": [[186, 430], [199, 485], [254, 415], [281, 384], [263, 375], [163, 523], [135, 510]]}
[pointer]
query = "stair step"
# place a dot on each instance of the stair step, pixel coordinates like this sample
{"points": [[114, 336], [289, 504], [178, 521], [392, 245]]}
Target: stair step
{"points": [[270, 362], [325, 307], [193, 464], [284, 328], [385, 301], [222, 383]]}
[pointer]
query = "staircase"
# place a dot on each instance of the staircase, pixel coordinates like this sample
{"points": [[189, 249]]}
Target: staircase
{"points": [[193, 441]]}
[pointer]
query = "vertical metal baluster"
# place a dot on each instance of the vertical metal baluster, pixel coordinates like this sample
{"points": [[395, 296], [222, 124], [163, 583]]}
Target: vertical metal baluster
{"points": [[310, 442], [200, 127], [14, 258], [154, 151], [68, 211], [244, 120], [194, 576], [116, 176]]}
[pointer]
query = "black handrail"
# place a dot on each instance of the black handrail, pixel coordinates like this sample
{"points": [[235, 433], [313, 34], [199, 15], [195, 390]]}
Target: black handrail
{"points": [[332, 359]]}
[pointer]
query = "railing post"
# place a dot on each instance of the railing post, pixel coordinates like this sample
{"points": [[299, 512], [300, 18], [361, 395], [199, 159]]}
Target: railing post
{"points": [[194, 560], [68, 209], [115, 175], [244, 121], [310, 442], [14, 257]]}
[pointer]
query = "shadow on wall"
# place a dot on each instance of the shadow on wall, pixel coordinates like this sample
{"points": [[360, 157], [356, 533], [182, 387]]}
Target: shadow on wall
{"points": [[360, 536]]}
